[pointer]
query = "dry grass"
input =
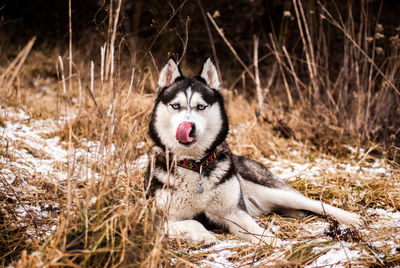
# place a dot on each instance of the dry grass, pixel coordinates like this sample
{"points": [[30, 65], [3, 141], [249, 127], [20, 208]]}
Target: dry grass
{"points": [[97, 214], [106, 221], [354, 94]]}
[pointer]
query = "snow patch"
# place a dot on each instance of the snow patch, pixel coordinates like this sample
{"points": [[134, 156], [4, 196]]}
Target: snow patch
{"points": [[339, 254]]}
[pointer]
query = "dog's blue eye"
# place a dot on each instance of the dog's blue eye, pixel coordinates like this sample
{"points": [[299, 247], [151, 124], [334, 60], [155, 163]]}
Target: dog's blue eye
{"points": [[175, 106], [201, 107]]}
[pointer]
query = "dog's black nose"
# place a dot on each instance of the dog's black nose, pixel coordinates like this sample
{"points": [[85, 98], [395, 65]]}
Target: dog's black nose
{"points": [[193, 131]]}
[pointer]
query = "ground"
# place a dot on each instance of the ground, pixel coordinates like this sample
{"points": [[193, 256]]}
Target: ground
{"points": [[35, 175]]}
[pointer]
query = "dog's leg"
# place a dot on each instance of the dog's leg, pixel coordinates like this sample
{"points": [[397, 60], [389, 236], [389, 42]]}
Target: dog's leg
{"points": [[245, 227], [190, 231], [267, 199]]}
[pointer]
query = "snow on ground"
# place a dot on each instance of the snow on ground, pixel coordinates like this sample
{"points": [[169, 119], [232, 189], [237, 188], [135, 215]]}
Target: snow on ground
{"points": [[35, 154], [287, 170], [27, 140], [29, 152], [219, 254], [338, 254], [27, 145]]}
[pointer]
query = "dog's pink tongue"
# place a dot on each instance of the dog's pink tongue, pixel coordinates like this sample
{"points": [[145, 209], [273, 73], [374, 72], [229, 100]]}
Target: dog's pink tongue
{"points": [[183, 131]]}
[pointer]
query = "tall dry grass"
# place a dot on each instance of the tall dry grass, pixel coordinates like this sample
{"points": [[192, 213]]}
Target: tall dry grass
{"points": [[107, 221], [103, 217], [349, 88]]}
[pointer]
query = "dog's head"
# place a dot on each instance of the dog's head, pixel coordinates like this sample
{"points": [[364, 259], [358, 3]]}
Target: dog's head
{"points": [[188, 116]]}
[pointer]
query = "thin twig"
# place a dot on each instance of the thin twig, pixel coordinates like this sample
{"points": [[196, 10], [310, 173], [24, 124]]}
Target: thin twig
{"points": [[70, 44], [212, 43], [348, 36], [17, 63], [311, 51], [185, 41], [244, 72], [274, 50], [220, 32], [260, 98], [162, 29], [306, 50], [296, 78]]}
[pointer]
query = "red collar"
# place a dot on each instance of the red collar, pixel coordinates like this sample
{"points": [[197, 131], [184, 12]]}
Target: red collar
{"points": [[200, 165]]}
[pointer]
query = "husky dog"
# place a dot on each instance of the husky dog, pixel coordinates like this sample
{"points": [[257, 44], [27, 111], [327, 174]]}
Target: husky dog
{"points": [[193, 175]]}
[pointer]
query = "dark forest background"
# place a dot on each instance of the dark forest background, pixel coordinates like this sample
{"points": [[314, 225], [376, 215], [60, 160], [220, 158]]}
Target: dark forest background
{"points": [[141, 22], [353, 47]]}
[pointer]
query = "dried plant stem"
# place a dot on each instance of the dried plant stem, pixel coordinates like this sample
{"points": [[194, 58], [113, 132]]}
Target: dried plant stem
{"points": [[64, 84], [280, 63], [109, 67], [297, 80], [162, 29], [307, 47], [185, 41], [107, 51], [240, 77], [16, 64], [271, 78], [69, 123], [210, 36], [102, 63], [70, 43], [92, 76], [260, 98], [351, 39], [131, 84], [220, 32], [313, 63]]}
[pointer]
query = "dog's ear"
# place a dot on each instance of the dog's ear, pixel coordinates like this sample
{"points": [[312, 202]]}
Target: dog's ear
{"points": [[210, 74], [168, 74]]}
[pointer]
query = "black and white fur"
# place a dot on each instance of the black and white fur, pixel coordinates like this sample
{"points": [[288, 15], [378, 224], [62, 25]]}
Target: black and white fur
{"points": [[234, 187]]}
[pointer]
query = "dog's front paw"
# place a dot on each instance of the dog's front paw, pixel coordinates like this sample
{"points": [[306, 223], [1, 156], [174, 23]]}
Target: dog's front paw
{"points": [[200, 238], [352, 219], [191, 231]]}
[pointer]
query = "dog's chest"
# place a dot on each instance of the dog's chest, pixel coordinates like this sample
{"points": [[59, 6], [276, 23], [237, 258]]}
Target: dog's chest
{"points": [[191, 187], [189, 193]]}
